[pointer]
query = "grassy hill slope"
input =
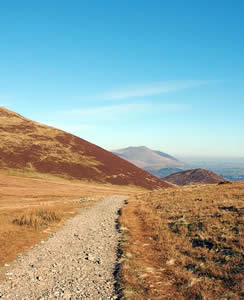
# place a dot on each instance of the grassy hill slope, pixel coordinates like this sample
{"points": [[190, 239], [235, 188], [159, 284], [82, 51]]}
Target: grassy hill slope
{"points": [[36, 148]]}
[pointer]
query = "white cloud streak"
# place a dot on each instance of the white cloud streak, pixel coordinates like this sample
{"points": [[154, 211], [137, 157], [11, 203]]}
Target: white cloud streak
{"points": [[154, 89], [105, 110], [114, 112], [6, 105], [5, 100]]}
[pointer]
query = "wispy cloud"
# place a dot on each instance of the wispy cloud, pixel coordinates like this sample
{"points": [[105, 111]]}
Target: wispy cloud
{"points": [[5, 101], [124, 110], [87, 121], [6, 105], [154, 89], [106, 110]]}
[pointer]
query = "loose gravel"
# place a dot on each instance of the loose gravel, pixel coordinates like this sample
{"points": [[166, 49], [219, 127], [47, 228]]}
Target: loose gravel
{"points": [[77, 262]]}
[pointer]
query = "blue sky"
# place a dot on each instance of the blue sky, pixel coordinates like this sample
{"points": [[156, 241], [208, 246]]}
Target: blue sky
{"points": [[165, 74]]}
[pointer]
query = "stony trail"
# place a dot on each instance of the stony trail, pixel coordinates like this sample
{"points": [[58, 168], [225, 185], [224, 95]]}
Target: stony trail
{"points": [[77, 262]]}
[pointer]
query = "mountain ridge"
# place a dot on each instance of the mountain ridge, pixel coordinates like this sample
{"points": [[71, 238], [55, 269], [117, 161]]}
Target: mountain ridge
{"points": [[147, 158], [31, 146]]}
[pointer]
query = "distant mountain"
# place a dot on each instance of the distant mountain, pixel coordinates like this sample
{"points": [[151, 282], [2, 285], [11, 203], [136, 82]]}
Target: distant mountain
{"points": [[163, 172], [231, 168], [148, 159], [165, 155], [30, 147], [195, 176]]}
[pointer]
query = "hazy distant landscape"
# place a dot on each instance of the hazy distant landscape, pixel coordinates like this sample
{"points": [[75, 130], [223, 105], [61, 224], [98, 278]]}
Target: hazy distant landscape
{"points": [[229, 168], [230, 173], [162, 164]]}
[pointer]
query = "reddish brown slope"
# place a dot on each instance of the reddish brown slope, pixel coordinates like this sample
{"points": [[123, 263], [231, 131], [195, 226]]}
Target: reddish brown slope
{"points": [[196, 176], [31, 146]]}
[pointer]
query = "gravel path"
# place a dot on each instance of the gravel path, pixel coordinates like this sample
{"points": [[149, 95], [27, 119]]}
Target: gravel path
{"points": [[77, 262]]}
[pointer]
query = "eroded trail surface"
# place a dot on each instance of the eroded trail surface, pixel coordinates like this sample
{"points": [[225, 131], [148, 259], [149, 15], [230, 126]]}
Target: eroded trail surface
{"points": [[77, 262]]}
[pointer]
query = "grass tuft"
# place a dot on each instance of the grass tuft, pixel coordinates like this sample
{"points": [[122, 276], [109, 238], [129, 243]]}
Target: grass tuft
{"points": [[38, 219]]}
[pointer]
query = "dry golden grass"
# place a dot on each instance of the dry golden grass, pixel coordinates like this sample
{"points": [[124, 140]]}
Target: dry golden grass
{"points": [[41, 207], [38, 218], [184, 243]]}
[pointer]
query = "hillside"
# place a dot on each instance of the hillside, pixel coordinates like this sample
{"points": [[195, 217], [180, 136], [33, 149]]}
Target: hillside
{"points": [[148, 159], [195, 176], [184, 243], [31, 147]]}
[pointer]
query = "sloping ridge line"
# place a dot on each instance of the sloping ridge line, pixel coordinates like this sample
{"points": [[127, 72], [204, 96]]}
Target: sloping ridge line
{"points": [[31, 146]]}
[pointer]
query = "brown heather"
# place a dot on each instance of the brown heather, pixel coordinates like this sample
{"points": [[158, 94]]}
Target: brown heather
{"points": [[36, 150], [195, 176], [184, 243]]}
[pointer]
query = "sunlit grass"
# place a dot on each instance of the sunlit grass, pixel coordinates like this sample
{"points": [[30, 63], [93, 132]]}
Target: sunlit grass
{"points": [[38, 218], [184, 243]]}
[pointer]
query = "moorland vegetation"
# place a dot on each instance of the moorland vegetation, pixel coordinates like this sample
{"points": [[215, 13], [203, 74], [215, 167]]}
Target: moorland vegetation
{"points": [[184, 243]]}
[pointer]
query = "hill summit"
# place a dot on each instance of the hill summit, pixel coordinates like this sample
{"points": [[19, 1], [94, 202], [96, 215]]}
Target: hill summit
{"points": [[28, 146], [148, 159], [195, 176]]}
